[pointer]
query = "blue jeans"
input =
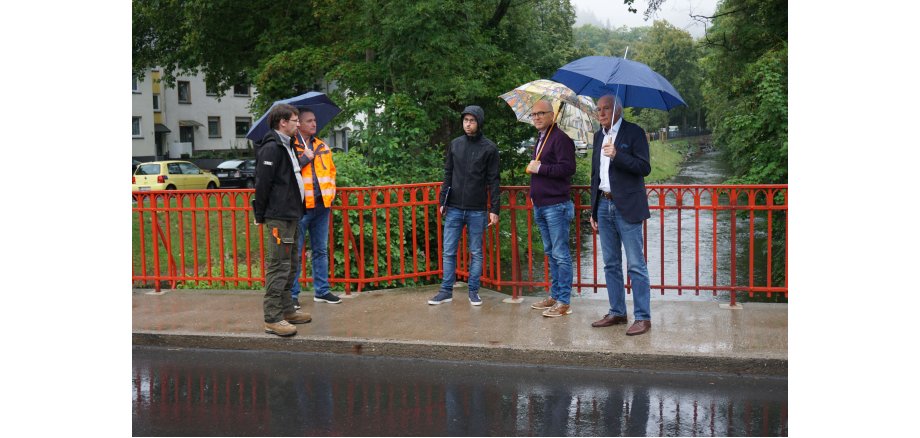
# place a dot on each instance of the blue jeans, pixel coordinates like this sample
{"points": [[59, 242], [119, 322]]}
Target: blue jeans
{"points": [[615, 233], [316, 220], [554, 221], [454, 220]]}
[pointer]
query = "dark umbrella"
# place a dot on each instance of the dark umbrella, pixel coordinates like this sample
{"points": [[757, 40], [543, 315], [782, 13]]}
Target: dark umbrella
{"points": [[324, 109], [636, 84]]}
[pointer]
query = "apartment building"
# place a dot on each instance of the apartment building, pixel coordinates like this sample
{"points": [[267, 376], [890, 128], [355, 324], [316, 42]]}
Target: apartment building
{"points": [[169, 122], [187, 118]]}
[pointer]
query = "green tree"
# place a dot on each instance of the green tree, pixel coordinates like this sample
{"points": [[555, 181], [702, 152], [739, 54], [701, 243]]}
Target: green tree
{"points": [[746, 91], [651, 120], [408, 66], [672, 53], [592, 40]]}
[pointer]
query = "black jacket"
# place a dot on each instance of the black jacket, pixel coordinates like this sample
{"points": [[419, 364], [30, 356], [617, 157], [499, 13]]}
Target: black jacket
{"points": [[470, 169], [628, 170], [277, 191]]}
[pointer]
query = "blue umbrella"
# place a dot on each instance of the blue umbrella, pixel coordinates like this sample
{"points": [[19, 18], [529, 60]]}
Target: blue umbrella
{"points": [[324, 109], [636, 84]]}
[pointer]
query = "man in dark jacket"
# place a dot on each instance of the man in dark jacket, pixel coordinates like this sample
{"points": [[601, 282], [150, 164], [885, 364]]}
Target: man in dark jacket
{"points": [[470, 168], [278, 204], [619, 204], [551, 173]]}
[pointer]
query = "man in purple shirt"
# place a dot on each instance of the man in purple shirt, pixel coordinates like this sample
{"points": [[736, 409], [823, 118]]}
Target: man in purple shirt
{"points": [[551, 173]]}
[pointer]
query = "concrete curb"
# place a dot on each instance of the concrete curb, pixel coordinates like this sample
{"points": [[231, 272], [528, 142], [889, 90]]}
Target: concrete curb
{"points": [[757, 366]]}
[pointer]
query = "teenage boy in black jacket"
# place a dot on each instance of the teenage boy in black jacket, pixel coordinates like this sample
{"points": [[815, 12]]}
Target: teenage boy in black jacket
{"points": [[470, 168]]}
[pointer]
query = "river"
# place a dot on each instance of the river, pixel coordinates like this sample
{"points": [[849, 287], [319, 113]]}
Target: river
{"points": [[704, 167]]}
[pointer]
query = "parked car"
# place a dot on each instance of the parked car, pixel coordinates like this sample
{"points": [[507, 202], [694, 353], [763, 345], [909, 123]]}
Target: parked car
{"points": [[172, 175], [134, 165], [236, 173]]}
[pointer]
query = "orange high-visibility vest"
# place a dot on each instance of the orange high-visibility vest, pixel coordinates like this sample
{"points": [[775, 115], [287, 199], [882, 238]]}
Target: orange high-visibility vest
{"points": [[325, 172]]}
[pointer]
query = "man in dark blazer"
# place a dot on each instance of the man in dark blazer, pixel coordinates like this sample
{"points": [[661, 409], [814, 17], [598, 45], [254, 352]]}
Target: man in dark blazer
{"points": [[618, 207]]}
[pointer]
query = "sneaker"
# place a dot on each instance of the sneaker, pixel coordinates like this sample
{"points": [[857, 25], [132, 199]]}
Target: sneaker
{"points": [[280, 328], [296, 304], [474, 299], [441, 297], [328, 298], [297, 317], [545, 303], [558, 309]]}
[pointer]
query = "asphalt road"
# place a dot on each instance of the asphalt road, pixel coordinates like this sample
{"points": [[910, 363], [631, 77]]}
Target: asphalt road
{"points": [[244, 393]]}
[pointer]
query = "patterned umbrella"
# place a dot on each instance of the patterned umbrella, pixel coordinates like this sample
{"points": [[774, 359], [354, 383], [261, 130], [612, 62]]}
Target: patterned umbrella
{"points": [[578, 117]]}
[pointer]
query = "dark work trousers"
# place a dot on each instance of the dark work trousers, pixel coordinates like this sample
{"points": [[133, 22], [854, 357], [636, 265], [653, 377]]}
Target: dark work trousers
{"points": [[281, 262]]}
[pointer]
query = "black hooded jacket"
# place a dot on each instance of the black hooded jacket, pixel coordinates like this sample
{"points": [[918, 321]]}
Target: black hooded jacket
{"points": [[471, 170], [277, 190]]}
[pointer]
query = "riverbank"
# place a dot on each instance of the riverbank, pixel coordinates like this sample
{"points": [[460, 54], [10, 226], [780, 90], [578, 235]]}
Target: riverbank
{"points": [[666, 159]]}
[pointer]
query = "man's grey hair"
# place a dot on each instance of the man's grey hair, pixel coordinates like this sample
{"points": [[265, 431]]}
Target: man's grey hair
{"points": [[616, 101]]}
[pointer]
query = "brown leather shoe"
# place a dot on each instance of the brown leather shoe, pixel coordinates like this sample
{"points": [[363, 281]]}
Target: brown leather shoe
{"points": [[609, 320], [639, 327], [543, 304]]}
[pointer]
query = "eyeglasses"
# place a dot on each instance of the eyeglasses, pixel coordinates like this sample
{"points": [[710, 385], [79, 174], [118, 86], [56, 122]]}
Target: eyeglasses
{"points": [[294, 121], [539, 114]]}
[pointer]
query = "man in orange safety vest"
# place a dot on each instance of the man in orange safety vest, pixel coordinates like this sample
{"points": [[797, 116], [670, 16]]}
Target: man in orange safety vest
{"points": [[318, 173]]}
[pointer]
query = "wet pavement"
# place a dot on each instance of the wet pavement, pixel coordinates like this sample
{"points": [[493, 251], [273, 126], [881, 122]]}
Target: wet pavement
{"points": [[244, 393], [685, 336]]}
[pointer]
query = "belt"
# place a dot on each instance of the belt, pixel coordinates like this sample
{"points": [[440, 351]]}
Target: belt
{"points": [[607, 195]]}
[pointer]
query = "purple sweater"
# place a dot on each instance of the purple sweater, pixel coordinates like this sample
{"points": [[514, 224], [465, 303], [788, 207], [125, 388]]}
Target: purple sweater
{"points": [[553, 183]]}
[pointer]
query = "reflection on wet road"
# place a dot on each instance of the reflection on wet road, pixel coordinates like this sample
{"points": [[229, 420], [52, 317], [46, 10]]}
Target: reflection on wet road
{"points": [[244, 393]]}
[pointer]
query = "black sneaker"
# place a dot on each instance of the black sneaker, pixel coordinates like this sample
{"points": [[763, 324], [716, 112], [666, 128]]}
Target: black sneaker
{"points": [[296, 304], [441, 297], [328, 298]]}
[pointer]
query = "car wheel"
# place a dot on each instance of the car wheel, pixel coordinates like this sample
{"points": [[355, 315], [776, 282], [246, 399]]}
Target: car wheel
{"points": [[250, 183], [211, 186], [170, 187]]}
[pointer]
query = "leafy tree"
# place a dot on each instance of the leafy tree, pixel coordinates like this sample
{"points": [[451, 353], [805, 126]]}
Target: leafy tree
{"points": [[672, 53], [746, 92], [593, 40], [651, 120], [408, 66]]}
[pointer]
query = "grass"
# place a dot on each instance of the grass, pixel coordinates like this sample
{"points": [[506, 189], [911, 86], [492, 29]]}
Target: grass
{"points": [[666, 158], [200, 240]]}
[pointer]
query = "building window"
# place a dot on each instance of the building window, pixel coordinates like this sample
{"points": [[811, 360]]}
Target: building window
{"points": [[136, 128], [156, 103], [209, 92], [213, 127], [134, 87], [242, 126], [241, 90], [185, 94]]}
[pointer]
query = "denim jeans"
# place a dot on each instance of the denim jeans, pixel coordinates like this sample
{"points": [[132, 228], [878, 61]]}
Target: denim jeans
{"points": [[316, 220], [475, 222], [616, 233], [554, 221]]}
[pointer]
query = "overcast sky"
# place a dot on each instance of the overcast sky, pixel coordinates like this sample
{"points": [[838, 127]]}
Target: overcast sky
{"points": [[676, 12]]}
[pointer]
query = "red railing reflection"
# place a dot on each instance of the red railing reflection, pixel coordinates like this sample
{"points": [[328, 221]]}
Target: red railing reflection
{"points": [[390, 236], [170, 400]]}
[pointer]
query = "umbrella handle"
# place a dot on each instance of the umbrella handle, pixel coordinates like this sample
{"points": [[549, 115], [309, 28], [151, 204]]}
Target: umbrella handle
{"points": [[540, 150]]}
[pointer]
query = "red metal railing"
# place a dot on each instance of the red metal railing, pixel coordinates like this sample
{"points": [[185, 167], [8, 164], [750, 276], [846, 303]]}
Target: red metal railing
{"points": [[391, 235]]}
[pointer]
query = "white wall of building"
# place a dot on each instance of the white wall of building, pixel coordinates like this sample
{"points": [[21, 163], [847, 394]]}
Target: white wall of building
{"points": [[201, 108], [142, 106]]}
